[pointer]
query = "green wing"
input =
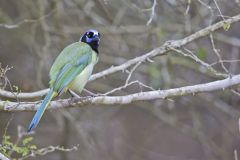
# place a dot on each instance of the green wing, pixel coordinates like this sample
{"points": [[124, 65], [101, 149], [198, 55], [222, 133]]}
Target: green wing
{"points": [[70, 63]]}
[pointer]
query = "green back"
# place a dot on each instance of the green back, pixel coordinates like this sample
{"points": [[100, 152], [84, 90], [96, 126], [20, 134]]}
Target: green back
{"points": [[72, 60]]}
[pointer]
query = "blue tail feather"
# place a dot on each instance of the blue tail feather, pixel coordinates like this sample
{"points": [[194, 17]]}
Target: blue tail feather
{"points": [[41, 110]]}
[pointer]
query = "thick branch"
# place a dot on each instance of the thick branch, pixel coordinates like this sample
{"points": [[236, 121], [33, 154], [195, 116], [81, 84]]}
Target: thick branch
{"points": [[23, 95], [156, 52], [146, 96]]}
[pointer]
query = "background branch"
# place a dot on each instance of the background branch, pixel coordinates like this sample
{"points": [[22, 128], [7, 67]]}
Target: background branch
{"points": [[167, 46]]}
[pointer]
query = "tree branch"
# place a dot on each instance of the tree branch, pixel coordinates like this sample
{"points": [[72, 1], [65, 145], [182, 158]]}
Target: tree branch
{"points": [[126, 99], [167, 46], [3, 157]]}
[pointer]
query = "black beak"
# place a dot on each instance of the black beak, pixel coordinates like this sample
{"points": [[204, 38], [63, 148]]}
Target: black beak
{"points": [[96, 38]]}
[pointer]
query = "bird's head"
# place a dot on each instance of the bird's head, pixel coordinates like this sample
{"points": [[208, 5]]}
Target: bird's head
{"points": [[92, 38]]}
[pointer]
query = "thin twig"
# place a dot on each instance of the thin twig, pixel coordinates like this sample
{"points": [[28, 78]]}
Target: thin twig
{"points": [[13, 26], [195, 58], [223, 17], [152, 12], [225, 61], [215, 50]]}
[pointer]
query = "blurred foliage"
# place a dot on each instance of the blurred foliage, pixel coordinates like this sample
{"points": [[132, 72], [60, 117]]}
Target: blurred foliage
{"points": [[226, 26], [201, 53], [155, 76], [22, 149]]}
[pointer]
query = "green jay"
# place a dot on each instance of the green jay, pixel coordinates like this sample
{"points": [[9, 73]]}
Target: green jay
{"points": [[71, 70]]}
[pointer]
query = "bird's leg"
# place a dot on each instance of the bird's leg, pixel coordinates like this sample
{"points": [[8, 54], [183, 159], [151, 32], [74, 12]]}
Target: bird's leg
{"points": [[92, 95], [73, 94], [76, 96]]}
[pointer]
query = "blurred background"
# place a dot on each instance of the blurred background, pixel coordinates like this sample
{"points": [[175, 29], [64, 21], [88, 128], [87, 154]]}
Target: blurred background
{"points": [[204, 126]]}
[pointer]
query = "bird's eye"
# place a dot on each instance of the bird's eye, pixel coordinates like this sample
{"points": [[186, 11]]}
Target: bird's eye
{"points": [[90, 34]]}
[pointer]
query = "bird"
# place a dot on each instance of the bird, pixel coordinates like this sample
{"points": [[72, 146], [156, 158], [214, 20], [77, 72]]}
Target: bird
{"points": [[71, 70]]}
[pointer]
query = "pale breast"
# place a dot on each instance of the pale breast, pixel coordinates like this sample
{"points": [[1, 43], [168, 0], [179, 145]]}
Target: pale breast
{"points": [[80, 81]]}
